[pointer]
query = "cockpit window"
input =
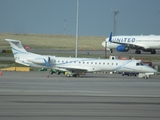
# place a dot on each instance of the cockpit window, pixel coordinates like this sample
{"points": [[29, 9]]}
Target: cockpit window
{"points": [[139, 64]]}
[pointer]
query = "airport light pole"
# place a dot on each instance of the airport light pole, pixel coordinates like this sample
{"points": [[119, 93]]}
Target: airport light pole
{"points": [[115, 22], [105, 49], [77, 30], [64, 26]]}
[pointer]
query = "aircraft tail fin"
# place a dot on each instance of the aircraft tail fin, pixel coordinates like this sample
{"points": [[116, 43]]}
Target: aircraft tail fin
{"points": [[16, 46], [110, 37]]}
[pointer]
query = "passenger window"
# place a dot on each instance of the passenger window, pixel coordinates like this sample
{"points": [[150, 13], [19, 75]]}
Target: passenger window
{"points": [[137, 64]]}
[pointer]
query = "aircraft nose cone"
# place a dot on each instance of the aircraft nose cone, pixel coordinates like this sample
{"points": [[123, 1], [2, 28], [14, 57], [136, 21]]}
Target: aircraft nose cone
{"points": [[103, 43], [150, 69], [153, 70]]}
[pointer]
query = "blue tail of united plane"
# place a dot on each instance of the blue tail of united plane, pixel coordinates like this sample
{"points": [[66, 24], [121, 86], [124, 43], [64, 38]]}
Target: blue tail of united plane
{"points": [[110, 37]]}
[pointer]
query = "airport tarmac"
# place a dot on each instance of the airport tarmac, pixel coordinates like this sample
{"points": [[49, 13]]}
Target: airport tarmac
{"points": [[94, 96]]}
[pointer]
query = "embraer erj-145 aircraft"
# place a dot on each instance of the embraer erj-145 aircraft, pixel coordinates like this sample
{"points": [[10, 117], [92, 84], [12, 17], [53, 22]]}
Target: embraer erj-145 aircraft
{"points": [[73, 66], [147, 43]]}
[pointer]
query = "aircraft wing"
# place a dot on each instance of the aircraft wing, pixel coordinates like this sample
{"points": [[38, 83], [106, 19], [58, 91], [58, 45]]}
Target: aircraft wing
{"points": [[134, 45], [75, 69]]}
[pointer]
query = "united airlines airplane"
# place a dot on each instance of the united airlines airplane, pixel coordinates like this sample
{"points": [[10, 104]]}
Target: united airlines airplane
{"points": [[73, 66], [147, 43]]}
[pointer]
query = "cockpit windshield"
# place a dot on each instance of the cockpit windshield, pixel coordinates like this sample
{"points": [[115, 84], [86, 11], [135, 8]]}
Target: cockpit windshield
{"points": [[139, 64]]}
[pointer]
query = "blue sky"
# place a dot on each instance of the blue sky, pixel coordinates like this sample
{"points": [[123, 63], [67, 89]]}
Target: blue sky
{"points": [[95, 17]]}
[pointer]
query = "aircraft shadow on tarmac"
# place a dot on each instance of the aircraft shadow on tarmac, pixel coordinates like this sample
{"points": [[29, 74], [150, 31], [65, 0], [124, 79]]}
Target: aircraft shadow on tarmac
{"points": [[92, 75]]}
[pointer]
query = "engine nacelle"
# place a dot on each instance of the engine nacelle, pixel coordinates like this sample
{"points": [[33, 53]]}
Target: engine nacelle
{"points": [[122, 48]]}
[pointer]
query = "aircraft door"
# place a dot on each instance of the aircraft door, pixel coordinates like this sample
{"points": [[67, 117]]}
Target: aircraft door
{"points": [[139, 65], [49, 59]]}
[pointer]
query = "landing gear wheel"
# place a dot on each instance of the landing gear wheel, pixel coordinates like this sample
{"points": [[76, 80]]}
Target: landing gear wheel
{"points": [[137, 52], [58, 72], [145, 77], [111, 51], [153, 51]]}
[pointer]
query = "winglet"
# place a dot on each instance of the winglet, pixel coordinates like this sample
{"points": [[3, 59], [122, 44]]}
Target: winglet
{"points": [[110, 37], [47, 64]]}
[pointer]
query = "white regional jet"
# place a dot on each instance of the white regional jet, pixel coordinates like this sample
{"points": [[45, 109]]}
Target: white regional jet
{"points": [[75, 65], [147, 43]]}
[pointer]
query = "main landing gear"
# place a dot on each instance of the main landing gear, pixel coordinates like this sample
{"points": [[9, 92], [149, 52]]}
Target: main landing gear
{"points": [[153, 51], [69, 74], [137, 52], [111, 51]]}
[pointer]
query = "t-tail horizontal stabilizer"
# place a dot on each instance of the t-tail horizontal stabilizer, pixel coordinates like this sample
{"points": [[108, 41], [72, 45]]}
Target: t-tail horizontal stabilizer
{"points": [[16, 46]]}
